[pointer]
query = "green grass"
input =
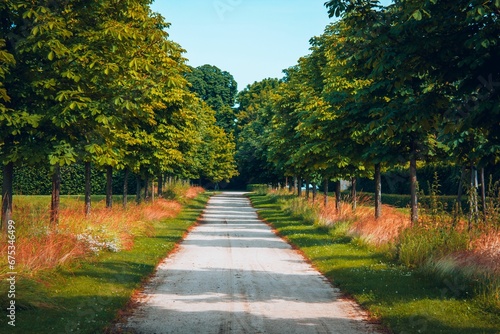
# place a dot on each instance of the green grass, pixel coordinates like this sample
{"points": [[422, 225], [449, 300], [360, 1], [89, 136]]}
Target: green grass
{"points": [[86, 297], [66, 200], [403, 300]]}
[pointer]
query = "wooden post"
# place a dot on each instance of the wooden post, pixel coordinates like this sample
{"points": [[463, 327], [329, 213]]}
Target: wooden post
{"points": [[138, 189], [354, 194], [109, 187], [125, 189], [378, 191], [8, 178], [56, 195], [337, 195], [325, 191], [413, 190], [88, 188]]}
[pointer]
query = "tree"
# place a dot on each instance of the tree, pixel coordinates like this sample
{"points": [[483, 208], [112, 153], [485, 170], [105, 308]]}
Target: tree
{"points": [[400, 73], [103, 79], [218, 89], [254, 114], [216, 155], [6, 60]]}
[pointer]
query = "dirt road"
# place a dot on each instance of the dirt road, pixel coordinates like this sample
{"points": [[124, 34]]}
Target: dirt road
{"points": [[232, 274]]}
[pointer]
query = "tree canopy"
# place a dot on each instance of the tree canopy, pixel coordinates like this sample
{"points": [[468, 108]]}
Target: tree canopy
{"points": [[101, 82], [218, 89], [408, 84]]}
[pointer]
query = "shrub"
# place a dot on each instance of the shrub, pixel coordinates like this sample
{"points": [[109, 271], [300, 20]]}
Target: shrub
{"points": [[41, 246], [301, 209], [419, 244], [260, 189]]}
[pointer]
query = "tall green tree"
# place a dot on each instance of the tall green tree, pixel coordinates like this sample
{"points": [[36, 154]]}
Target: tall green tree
{"points": [[400, 73], [102, 77], [217, 152], [6, 61], [218, 89], [255, 111]]}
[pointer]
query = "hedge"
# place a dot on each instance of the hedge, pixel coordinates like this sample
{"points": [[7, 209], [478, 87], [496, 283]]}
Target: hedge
{"points": [[31, 180]]}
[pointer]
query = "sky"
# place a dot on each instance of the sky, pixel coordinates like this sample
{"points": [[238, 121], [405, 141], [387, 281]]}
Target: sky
{"points": [[251, 39]]}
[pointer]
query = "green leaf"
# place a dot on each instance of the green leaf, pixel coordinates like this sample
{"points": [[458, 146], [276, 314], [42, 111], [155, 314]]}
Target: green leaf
{"points": [[51, 55], [417, 15]]}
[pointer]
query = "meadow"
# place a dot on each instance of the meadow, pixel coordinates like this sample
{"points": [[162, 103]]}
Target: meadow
{"points": [[79, 276], [436, 276]]}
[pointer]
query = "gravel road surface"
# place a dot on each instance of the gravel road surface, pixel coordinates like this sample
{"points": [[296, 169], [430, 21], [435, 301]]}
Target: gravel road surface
{"points": [[232, 274]]}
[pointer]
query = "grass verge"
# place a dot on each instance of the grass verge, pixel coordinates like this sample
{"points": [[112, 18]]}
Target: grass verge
{"points": [[86, 296], [404, 300]]}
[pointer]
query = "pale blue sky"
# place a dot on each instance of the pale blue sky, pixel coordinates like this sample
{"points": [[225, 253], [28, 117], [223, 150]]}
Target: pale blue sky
{"points": [[251, 39]]}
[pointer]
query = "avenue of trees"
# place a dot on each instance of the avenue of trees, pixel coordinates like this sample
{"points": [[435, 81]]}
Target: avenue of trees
{"points": [[410, 84], [100, 83]]}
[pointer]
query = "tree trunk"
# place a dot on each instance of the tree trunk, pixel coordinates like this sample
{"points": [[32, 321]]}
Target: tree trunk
{"points": [[109, 187], [125, 189], [354, 194], [337, 196], [325, 191], [299, 187], [138, 189], [88, 188], [146, 189], [460, 190], [378, 191], [483, 194], [413, 190], [473, 205], [56, 195], [160, 185], [153, 189], [8, 178], [307, 189], [314, 191]]}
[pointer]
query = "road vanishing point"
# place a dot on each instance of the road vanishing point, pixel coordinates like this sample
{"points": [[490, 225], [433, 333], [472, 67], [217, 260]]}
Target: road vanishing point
{"points": [[233, 274]]}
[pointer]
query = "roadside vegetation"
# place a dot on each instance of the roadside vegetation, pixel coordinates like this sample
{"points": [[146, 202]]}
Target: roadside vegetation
{"points": [[433, 276], [75, 277]]}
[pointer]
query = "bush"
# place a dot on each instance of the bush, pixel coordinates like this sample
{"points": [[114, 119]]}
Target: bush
{"points": [[37, 180], [301, 209], [420, 244], [260, 189]]}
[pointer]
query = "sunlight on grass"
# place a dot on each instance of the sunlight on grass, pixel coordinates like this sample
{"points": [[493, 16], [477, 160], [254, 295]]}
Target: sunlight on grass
{"points": [[360, 255], [69, 283]]}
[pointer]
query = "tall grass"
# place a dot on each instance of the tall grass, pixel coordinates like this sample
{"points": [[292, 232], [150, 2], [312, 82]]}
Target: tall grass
{"points": [[439, 245], [41, 246]]}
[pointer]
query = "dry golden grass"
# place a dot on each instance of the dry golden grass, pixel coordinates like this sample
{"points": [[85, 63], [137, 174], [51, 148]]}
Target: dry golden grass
{"points": [[161, 209], [49, 251], [192, 192], [362, 220], [384, 230], [41, 246], [437, 243], [485, 249]]}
